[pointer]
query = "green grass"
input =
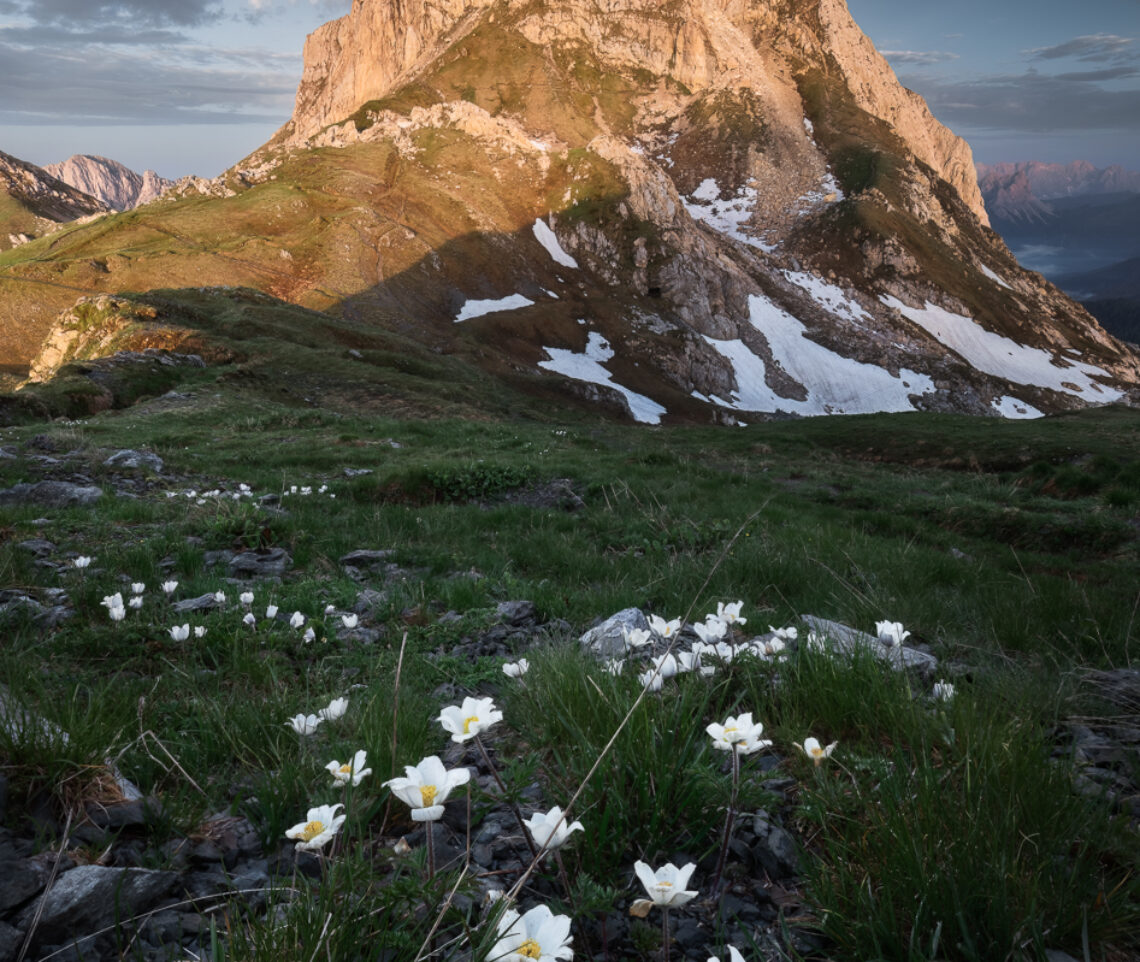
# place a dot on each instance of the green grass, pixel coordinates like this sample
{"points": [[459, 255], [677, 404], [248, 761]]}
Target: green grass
{"points": [[1008, 548]]}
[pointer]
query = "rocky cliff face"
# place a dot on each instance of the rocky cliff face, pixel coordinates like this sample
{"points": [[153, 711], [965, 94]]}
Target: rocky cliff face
{"points": [[37, 202], [119, 187], [677, 209]]}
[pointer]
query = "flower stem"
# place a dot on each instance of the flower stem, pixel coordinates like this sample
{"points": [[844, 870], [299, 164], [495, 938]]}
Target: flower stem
{"points": [[665, 934], [513, 807], [430, 849], [729, 817]]}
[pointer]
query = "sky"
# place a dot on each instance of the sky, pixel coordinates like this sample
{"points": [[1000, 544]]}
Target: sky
{"points": [[193, 86]]}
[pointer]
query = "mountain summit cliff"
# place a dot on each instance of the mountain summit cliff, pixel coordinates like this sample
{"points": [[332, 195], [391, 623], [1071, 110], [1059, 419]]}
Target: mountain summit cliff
{"points": [[672, 211]]}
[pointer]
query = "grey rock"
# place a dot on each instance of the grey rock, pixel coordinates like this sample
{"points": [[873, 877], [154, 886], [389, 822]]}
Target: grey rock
{"points": [[144, 460], [607, 640], [10, 941], [517, 614], [264, 563], [356, 472], [52, 494], [37, 546], [18, 883], [366, 558], [842, 639], [205, 602], [133, 813], [92, 897]]}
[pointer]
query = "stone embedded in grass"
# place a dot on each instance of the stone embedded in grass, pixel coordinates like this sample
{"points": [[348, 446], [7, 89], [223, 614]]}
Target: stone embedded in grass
{"points": [[607, 639], [52, 494], [840, 639], [135, 459]]}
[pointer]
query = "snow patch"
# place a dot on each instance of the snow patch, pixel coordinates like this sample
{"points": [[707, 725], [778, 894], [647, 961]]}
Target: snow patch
{"points": [[828, 192], [1003, 357], [548, 239], [1015, 408], [588, 367], [809, 127], [479, 308], [835, 384], [994, 277], [832, 298], [727, 217]]}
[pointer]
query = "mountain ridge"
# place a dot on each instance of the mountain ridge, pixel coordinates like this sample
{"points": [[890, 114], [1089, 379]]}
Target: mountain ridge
{"points": [[745, 240], [119, 187]]}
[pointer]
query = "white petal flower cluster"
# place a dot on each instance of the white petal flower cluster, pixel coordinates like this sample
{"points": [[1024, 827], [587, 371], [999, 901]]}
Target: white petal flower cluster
{"points": [[814, 751], [516, 669], [304, 724], [550, 830], [739, 734], [335, 710]]}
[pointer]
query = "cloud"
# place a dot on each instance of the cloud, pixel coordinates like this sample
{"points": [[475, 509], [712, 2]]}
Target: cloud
{"points": [[1097, 47], [1029, 102], [1110, 73], [919, 57], [133, 85]]}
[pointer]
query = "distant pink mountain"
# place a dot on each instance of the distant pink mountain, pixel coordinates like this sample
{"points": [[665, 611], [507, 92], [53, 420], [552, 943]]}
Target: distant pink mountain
{"points": [[1022, 191]]}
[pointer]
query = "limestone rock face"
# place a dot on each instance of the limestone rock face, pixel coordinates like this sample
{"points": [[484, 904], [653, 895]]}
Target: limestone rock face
{"points": [[119, 187], [702, 44], [42, 201]]}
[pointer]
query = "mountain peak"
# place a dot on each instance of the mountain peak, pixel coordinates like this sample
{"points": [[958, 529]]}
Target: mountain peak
{"points": [[119, 187]]}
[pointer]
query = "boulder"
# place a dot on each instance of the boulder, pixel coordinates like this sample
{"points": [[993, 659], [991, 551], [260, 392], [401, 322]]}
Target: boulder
{"points": [[143, 460], [607, 640], [52, 494]]}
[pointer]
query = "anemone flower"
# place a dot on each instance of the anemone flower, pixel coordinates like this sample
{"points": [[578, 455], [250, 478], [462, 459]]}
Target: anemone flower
{"points": [[199, 631], [350, 772], [814, 751], [943, 690], [350, 621], [516, 669], [249, 619], [550, 830], [117, 612], [135, 602], [651, 680], [664, 629], [137, 587], [733, 955], [891, 632], [730, 613], [538, 934], [738, 734], [309, 636], [246, 598], [426, 787], [220, 597], [335, 710], [270, 611], [112, 601], [304, 724], [666, 885], [636, 637], [615, 666], [180, 632], [785, 634], [320, 826], [471, 718], [712, 630], [169, 587], [296, 620], [81, 562]]}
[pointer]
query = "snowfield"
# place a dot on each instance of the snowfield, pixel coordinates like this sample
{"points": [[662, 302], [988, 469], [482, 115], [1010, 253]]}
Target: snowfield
{"points": [[1002, 357], [835, 384], [547, 238], [833, 299], [727, 217], [588, 367], [479, 308]]}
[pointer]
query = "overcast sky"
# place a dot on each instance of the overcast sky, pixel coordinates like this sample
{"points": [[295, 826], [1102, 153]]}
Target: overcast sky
{"points": [[192, 86]]}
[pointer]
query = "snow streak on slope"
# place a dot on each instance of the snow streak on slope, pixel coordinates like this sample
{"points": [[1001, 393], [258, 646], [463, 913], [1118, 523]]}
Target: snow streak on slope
{"points": [[588, 367], [995, 277], [728, 217], [1015, 409], [1005, 358], [479, 308], [833, 298], [547, 238], [835, 384]]}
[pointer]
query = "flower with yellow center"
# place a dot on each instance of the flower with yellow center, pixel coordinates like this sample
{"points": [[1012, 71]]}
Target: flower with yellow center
{"points": [[738, 734], [812, 749], [320, 825], [537, 934], [666, 885], [426, 787], [350, 772], [471, 718]]}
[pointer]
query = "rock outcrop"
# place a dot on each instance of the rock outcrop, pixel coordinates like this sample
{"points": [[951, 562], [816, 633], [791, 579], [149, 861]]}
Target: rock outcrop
{"points": [[41, 202], [119, 187]]}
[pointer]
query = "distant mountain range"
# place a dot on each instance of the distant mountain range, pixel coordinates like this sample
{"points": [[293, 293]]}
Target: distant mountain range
{"points": [[119, 187], [1077, 224]]}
